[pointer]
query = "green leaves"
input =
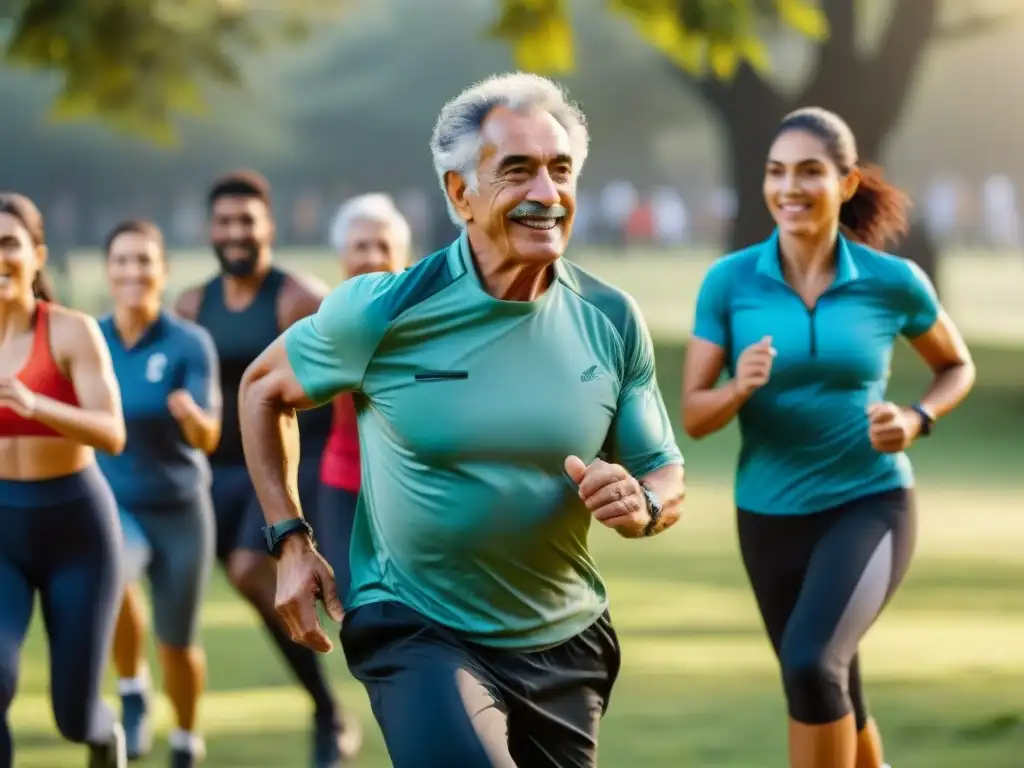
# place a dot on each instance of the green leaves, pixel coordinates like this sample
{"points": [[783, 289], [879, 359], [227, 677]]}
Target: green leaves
{"points": [[703, 37], [139, 65], [540, 33], [805, 17]]}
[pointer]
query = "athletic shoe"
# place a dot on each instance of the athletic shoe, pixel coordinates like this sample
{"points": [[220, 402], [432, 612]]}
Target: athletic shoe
{"points": [[135, 716], [182, 758], [187, 750], [335, 743], [111, 754]]}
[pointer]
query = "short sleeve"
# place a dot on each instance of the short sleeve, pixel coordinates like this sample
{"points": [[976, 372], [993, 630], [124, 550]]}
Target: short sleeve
{"points": [[642, 435], [201, 370], [711, 318], [918, 301], [329, 351]]}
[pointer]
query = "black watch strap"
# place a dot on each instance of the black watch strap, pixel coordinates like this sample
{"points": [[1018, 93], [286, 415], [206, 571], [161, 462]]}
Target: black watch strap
{"points": [[926, 419], [278, 532], [653, 509]]}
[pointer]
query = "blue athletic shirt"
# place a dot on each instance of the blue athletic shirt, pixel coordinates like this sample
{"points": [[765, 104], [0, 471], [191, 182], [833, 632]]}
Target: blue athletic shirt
{"points": [[158, 466], [805, 445]]}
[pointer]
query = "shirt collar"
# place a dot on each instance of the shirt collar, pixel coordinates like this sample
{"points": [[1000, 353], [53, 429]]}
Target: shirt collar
{"points": [[460, 260], [769, 260]]}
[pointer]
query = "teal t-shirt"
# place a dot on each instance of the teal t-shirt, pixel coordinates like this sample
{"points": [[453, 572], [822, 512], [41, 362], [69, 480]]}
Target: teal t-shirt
{"points": [[468, 407], [805, 445]]}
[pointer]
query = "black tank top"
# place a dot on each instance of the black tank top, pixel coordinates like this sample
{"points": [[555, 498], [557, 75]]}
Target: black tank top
{"points": [[240, 337]]}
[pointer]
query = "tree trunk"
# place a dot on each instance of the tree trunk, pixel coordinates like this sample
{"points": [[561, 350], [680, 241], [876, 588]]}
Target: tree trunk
{"points": [[748, 144], [868, 91]]}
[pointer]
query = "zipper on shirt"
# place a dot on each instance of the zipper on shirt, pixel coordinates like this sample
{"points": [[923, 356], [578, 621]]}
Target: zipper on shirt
{"points": [[811, 314]]}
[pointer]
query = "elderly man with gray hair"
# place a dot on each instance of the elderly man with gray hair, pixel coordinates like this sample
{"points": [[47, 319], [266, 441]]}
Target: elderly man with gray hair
{"points": [[506, 399]]}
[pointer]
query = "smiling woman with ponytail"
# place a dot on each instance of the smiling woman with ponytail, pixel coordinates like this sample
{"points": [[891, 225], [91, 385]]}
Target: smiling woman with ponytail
{"points": [[805, 324], [58, 404]]}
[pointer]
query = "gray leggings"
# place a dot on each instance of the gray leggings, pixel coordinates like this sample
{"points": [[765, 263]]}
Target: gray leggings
{"points": [[173, 546]]}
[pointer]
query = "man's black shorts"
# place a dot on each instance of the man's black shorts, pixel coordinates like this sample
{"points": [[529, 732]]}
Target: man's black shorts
{"points": [[442, 701]]}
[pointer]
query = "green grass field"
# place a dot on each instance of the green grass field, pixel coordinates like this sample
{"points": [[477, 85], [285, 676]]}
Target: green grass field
{"points": [[944, 667]]}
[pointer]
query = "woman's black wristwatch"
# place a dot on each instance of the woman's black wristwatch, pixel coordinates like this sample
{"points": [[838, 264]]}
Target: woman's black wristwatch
{"points": [[926, 419], [653, 509]]}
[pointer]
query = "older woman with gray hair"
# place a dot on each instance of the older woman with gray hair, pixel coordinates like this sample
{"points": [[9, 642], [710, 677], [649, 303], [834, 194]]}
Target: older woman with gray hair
{"points": [[371, 235]]}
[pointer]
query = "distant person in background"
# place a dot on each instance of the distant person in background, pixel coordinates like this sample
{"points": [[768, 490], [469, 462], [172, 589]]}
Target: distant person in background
{"points": [[167, 371], [671, 220], [619, 199], [244, 309], [59, 403], [371, 235], [1002, 216], [805, 324]]}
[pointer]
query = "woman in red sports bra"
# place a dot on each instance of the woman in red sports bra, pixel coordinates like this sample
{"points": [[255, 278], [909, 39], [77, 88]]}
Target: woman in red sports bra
{"points": [[372, 236], [59, 402]]}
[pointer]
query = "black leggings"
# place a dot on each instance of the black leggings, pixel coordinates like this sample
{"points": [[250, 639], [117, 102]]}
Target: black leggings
{"points": [[820, 581], [60, 538]]}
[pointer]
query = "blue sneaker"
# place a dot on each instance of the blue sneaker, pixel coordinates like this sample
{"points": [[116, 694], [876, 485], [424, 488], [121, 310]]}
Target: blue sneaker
{"points": [[135, 716]]}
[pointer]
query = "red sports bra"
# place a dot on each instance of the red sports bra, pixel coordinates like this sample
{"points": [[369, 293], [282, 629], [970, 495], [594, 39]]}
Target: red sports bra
{"points": [[43, 376]]}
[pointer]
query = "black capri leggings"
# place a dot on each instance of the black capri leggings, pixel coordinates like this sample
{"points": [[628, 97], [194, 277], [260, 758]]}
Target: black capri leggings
{"points": [[820, 581], [60, 538]]}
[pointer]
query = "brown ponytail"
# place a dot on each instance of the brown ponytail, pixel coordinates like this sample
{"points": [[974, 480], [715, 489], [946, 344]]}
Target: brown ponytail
{"points": [[877, 212], [42, 287], [26, 212]]}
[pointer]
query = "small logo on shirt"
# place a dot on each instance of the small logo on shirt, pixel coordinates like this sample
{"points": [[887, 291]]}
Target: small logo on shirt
{"points": [[591, 374], [155, 367]]}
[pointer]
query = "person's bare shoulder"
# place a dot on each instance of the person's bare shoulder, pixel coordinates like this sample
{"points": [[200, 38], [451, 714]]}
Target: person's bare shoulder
{"points": [[189, 303], [300, 297], [74, 334]]}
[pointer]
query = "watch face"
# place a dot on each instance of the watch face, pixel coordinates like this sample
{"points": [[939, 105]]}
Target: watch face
{"points": [[652, 498]]}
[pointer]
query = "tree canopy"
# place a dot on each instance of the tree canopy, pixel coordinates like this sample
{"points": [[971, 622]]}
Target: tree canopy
{"points": [[701, 36], [136, 65]]}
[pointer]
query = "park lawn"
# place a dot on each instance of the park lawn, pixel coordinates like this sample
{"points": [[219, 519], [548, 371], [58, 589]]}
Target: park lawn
{"points": [[944, 667]]}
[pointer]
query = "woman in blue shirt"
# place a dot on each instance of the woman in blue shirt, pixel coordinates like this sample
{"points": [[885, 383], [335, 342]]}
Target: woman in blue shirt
{"points": [[805, 324], [167, 370]]}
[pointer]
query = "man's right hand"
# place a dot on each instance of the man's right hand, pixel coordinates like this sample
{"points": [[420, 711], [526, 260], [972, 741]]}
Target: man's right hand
{"points": [[303, 577], [754, 367]]}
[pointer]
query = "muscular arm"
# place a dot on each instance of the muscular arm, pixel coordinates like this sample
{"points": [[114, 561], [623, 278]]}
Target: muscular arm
{"points": [[97, 421], [268, 398], [317, 358]]}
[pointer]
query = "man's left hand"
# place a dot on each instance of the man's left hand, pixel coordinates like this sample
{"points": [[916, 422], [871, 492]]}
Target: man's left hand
{"points": [[611, 494]]}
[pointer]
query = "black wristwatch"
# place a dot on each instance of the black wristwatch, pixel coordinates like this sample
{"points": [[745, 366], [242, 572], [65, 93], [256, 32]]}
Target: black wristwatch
{"points": [[653, 509], [926, 419], [278, 532]]}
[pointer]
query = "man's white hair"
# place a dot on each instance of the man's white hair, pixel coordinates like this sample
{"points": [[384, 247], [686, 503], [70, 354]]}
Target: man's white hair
{"points": [[375, 207], [457, 139]]}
